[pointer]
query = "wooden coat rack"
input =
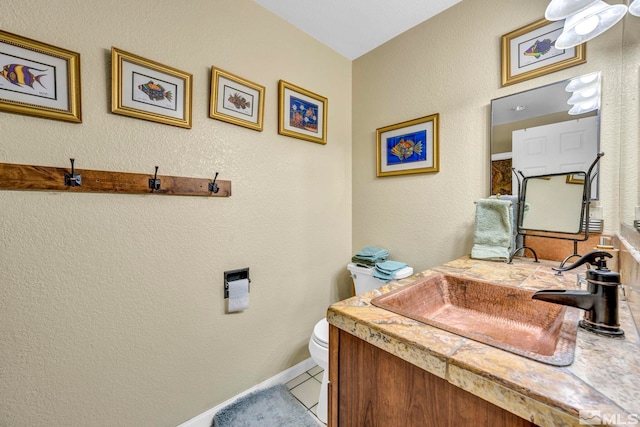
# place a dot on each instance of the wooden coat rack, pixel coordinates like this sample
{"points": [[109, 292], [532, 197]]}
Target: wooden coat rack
{"points": [[45, 178]]}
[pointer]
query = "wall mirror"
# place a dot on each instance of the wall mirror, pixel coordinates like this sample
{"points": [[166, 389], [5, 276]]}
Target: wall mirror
{"points": [[540, 132]]}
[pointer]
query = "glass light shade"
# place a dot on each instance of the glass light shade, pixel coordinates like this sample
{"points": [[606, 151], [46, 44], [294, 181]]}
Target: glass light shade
{"points": [[561, 9], [585, 107], [589, 23], [583, 82], [634, 8], [584, 95]]}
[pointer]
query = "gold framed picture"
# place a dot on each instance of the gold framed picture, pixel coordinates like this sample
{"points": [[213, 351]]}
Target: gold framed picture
{"points": [[236, 100], [39, 79], [301, 114], [148, 90], [409, 147], [530, 52]]}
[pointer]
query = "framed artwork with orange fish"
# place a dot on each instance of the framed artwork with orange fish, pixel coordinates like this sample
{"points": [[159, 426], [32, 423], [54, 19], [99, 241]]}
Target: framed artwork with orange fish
{"points": [[301, 114], [148, 90], [236, 100], [530, 52], [39, 79], [409, 147]]}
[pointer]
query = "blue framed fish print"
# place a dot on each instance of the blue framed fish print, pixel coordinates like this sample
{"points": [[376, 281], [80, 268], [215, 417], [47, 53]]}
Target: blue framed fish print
{"points": [[145, 89], [39, 79], [236, 100], [409, 147], [530, 52], [301, 114]]}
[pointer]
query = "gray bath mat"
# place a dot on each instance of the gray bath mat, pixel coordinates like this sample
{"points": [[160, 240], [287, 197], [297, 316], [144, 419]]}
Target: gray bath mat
{"points": [[272, 407]]}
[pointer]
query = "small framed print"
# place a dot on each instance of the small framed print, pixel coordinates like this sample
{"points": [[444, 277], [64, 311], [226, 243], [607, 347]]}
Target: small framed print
{"points": [[409, 147], [302, 114], [530, 52], [147, 90], [236, 100], [38, 79]]}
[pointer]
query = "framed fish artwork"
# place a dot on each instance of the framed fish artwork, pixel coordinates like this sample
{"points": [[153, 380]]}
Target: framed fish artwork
{"points": [[409, 147], [530, 52], [38, 79], [236, 100], [301, 114], [148, 90]]}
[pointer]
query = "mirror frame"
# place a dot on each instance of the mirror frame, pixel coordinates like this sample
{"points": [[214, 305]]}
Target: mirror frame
{"points": [[584, 208]]}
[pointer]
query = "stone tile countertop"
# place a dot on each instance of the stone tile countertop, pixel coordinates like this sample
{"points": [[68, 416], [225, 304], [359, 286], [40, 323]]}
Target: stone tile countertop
{"points": [[601, 385]]}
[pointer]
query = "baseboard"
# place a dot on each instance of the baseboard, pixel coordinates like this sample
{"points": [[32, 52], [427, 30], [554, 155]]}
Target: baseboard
{"points": [[206, 418]]}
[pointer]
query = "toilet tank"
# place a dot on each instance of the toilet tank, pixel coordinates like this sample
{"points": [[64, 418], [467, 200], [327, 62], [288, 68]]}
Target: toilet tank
{"points": [[364, 281]]}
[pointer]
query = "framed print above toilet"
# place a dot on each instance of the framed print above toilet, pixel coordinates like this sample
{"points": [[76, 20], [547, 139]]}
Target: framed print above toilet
{"points": [[409, 147]]}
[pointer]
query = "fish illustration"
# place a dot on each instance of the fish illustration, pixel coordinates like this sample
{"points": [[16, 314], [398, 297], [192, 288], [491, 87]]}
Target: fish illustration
{"points": [[239, 101], [539, 48], [155, 92], [310, 113], [296, 120], [21, 75], [405, 148]]}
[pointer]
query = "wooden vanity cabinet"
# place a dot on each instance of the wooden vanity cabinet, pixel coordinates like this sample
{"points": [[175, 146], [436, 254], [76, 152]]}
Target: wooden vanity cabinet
{"points": [[370, 387]]}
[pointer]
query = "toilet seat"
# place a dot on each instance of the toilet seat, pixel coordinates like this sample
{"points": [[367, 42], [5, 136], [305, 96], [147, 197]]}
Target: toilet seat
{"points": [[319, 351], [321, 333]]}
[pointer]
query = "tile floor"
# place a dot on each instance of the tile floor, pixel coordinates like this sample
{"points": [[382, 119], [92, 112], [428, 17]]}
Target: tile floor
{"points": [[306, 388]]}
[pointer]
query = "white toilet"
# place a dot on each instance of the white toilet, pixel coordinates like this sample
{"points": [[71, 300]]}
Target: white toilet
{"points": [[363, 281]]}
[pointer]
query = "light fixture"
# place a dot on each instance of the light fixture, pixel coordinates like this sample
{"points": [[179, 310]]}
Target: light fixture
{"points": [[519, 108], [584, 95], [585, 19], [561, 9], [634, 8], [583, 82], [585, 106]]}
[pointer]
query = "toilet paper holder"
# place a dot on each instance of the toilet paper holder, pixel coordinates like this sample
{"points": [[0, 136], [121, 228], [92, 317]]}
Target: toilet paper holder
{"points": [[231, 275]]}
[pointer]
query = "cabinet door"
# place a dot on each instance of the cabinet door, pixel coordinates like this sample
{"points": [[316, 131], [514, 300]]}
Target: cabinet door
{"points": [[373, 388]]}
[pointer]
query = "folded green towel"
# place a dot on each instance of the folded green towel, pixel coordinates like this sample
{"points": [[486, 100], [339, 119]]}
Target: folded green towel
{"points": [[363, 261], [390, 266], [493, 230], [372, 253], [385, 271]]}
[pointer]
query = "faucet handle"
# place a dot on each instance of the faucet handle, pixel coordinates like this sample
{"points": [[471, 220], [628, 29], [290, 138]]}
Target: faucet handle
{"points": [[597, 258]]}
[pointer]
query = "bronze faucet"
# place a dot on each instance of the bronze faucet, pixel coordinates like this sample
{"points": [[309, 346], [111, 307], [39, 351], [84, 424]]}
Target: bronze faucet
{"points": [[600, 300]]}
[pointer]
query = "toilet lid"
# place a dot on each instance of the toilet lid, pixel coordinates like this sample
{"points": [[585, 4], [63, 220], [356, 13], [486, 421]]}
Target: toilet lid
{"points": [[321, 332]]}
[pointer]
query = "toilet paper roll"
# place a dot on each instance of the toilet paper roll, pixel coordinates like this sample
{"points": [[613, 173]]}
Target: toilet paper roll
{"points": [[238, 295]]}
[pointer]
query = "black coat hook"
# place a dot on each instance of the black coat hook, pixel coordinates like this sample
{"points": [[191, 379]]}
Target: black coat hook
{"points": [[213, 187], [154, 183], [73, 179]]}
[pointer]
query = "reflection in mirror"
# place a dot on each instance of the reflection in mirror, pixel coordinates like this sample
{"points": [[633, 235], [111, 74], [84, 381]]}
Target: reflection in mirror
{"points": [[553, 203], [548, 130]]}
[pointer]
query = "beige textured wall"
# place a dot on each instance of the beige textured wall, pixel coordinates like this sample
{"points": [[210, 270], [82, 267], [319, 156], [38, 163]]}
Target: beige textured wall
{"points": [[451, 65], [111, 308], [629, 122]]}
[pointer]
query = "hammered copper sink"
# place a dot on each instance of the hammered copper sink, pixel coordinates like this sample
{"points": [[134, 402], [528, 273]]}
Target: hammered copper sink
{"points": [[497, 315]]}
